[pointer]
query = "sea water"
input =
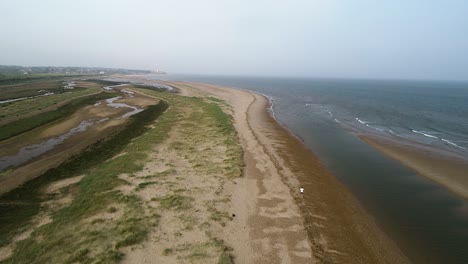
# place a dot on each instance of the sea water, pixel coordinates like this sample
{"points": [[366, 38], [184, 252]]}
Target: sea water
{"points": [[429, 224]]}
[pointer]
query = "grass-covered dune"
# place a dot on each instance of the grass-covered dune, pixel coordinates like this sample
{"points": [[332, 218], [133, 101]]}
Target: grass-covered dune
{"points": [[157, 183]]}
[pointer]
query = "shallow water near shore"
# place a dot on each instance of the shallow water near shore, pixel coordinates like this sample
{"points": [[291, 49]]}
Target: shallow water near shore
{"points": [[429, 224]]}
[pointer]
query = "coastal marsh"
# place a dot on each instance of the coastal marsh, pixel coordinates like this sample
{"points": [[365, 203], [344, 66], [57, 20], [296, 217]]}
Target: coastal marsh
{"points": [[16, 110], [26, 124]]}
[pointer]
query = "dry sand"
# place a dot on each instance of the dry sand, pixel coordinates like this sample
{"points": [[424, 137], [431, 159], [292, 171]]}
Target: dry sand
{"points": [[273, 223], [449, 172]]}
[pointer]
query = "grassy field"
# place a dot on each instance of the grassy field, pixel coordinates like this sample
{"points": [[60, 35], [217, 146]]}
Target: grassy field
{"points": [[30, 89], [124, 198]]}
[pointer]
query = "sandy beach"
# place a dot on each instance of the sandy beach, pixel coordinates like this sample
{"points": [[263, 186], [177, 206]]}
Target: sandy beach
{"points": [[449, 172], [200, 195], [275, 224]]}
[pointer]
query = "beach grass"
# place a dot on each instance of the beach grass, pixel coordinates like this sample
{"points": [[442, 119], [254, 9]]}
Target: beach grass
{"points": [[21, 204], [101, 219]]}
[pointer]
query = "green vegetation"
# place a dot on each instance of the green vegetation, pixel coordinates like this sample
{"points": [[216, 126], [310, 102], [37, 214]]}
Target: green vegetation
{"points": [[30, 89], [20, 108], [175, 202], [18, 206], [198, 252], [26, 124], [12, 78], [161, 174], [102, 218], [225, 258]]}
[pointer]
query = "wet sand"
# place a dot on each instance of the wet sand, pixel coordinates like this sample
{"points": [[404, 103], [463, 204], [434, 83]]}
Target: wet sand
{"points": [[450, 172], [272, 217]]}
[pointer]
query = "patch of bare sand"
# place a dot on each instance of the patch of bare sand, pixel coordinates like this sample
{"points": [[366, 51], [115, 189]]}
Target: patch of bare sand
{"points": [[449, 172], [5, 252], [55, 186], [187, 233]]}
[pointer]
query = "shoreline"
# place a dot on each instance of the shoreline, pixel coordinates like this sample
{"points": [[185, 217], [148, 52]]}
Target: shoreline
{"points": [[337, 226], [446, 171], [376, 246]]}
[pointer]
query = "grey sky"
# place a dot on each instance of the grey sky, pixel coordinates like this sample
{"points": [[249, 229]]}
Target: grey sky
{"points": [[316, 38]]}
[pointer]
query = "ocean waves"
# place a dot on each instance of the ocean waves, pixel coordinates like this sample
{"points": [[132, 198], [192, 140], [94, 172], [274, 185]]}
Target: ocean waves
{"points": [[424, 134], [427, 134], [435, 137]]}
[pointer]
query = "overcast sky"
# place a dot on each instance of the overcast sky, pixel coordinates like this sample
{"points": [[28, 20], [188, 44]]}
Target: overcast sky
{"points": [[421, 39]]}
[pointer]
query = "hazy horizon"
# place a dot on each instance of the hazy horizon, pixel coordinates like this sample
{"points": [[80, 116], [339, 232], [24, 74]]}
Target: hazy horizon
{"points": [[317, 39]]}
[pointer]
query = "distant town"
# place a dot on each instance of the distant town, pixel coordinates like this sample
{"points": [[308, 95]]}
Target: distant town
{"points": [[8, 71]]}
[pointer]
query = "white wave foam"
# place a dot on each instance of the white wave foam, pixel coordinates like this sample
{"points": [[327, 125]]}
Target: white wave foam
{"points": [[270, 100], [424, 134], [338, 121], [367, 125], [376, 128], [451, 143], [362, 122]]}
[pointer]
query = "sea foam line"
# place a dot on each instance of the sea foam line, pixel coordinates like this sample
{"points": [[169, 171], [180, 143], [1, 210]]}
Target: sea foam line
{"points": [[270, 101], [367, 125], [360, 121], [451, 143], [424, 134]]}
